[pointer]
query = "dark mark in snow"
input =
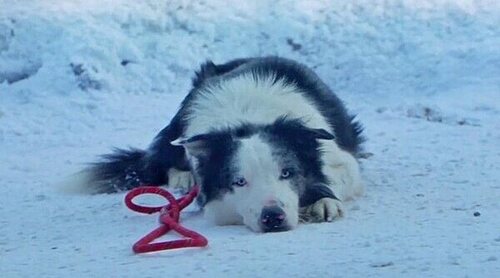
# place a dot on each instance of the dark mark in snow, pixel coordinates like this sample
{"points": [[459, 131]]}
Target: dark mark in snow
{"points": [[382, 264], [25, 71], [476, 214], [491, 259], [40, 197], [85, 77], [427, 113], [295, 46], [459, 209], [125, 62], [364, 155], [77, 69], [430, 114]]}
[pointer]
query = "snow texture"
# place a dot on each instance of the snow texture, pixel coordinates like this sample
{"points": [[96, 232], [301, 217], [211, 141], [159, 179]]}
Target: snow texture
{"points": [[78, 77]]}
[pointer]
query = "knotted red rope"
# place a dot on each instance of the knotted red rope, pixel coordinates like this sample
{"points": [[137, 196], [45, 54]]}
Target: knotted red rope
{"points": [[169, 220]]}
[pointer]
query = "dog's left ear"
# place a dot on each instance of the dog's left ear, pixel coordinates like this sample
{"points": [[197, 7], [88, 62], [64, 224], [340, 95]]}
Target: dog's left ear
{"points": [[321, 134]]}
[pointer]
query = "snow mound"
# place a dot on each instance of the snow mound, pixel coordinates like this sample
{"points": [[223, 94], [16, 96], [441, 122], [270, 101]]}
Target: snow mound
{"points": [[410, 47]]}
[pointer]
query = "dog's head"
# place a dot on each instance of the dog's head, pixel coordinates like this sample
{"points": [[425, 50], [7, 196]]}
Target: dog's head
{"points": [[257, 174]]}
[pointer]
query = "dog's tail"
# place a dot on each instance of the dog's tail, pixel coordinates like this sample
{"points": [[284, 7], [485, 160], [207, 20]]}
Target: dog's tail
{"points": [[121, 170]]}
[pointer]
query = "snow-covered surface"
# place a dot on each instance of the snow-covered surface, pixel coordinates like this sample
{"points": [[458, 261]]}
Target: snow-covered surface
{"points": [[78, 77]]}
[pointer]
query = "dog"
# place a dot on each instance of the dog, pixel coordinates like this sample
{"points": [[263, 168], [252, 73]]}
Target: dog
{"points": [[267, 141]]}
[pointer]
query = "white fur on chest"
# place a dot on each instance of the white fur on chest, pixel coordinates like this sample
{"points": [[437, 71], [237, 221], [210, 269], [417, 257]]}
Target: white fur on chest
{"points": [[246, 99]]}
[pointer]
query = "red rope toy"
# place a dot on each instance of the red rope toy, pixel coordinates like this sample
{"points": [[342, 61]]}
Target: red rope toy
{"points": [[169, 220]]}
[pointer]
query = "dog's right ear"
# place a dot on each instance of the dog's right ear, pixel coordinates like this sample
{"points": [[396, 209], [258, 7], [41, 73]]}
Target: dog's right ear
{"points": [[196, 146]]}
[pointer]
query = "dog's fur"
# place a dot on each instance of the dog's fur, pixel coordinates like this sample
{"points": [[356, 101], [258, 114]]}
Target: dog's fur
{"points": [[252, 132]]}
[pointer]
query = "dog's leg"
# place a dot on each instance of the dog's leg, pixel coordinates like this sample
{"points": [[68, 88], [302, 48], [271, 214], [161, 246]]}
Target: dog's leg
{"points": [[342, 171], [182, 180], [324, 210]]}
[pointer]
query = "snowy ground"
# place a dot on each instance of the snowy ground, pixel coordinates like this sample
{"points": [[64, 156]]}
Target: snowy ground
{"points": [[77, 77]]}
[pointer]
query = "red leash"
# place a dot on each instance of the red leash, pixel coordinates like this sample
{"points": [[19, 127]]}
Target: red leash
{"points": [[169, 220]]}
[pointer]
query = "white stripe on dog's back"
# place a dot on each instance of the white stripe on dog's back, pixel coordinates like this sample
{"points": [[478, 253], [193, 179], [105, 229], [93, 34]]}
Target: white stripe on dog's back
{"points": [[251, 99]]}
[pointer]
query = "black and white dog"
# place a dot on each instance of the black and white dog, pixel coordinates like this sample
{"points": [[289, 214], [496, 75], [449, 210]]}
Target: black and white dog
{"points": [[268, 142]]}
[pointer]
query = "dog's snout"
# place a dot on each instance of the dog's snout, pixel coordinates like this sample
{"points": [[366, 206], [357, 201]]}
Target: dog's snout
{"points": [[273, 219]]}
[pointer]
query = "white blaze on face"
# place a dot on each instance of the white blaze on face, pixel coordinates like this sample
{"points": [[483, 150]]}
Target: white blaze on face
{"points": [[262, 172]]}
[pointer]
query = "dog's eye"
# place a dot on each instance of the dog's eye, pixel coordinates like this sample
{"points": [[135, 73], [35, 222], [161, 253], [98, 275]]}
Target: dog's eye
{"points": [[286, 173], [240, 182]]}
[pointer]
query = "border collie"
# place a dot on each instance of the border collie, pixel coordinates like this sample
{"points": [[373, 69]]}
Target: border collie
{"points": [[268, 142]]}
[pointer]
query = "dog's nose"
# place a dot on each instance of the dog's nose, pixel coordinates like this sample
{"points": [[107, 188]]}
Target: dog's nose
{"points": [[272, 219]]}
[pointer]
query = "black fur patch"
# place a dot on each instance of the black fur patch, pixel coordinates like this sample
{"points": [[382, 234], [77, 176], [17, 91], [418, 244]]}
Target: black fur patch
{"points": [[347, 131], [302, 142], [314, 193], [214, 165], [162, 155], [119, 171]]}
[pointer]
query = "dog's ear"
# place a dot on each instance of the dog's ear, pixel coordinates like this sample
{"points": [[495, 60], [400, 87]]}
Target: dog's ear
{"points": [[322, 134], [196, 146], [296, 128], [204, 145]]}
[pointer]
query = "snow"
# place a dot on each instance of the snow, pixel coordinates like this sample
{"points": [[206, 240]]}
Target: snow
{"points": [[78, 77]]}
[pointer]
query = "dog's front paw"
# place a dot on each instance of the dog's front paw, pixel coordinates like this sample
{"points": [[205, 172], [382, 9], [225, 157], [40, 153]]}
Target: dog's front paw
{"points": [[324, 210]]}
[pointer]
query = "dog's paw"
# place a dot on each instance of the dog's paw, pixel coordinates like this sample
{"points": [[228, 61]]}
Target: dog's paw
{"points": [[324, 210], [182, 180]]}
